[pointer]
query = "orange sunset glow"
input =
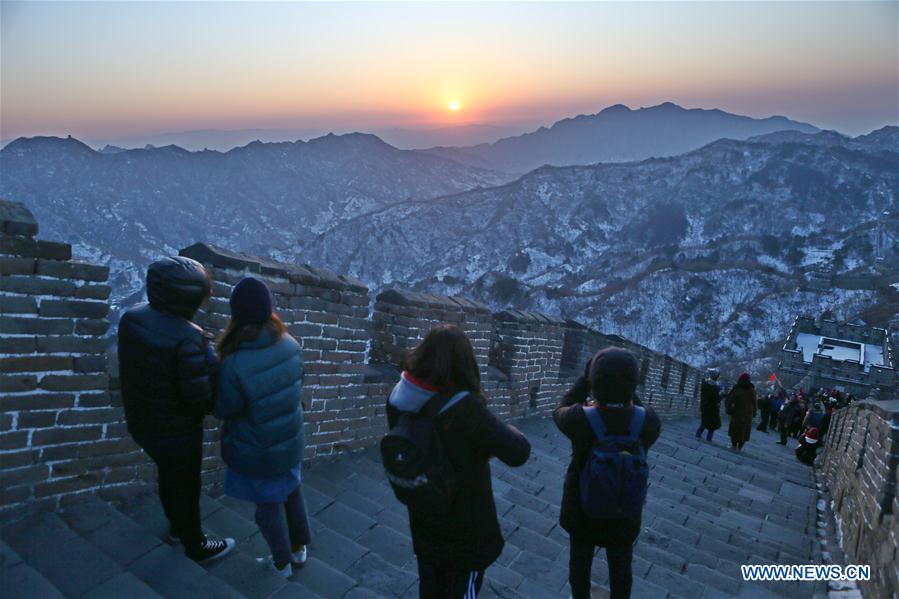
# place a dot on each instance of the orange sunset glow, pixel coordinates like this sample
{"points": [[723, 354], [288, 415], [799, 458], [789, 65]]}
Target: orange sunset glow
{"points": [[172, 66]]}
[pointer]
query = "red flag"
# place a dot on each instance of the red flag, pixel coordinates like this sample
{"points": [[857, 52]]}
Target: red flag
{"points": [[773, 378]]}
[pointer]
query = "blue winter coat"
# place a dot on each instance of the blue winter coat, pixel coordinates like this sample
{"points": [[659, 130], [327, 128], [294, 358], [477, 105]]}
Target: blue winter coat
{"points": [[259, 400]]}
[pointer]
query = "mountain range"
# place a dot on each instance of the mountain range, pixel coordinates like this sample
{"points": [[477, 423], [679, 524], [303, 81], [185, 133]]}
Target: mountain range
{"points": [[618, 134], [703, 254]]}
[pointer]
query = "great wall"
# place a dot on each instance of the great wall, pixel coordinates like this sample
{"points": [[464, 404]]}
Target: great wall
{"points": [[69, 468]]}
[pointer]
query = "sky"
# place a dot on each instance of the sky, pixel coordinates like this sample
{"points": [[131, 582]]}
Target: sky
{"points": [[118, 69]]}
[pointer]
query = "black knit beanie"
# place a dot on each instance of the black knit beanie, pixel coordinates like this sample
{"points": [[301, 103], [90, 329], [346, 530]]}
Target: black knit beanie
{"points": [[614, 374], [251, 301]]}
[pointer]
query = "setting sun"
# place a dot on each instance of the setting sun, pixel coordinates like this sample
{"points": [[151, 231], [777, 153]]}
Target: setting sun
{"points": [[453, 105]]}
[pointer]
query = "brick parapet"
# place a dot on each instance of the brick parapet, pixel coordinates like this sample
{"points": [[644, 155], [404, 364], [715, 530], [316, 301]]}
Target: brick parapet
{"points": [[62, 429], [860, 467]]}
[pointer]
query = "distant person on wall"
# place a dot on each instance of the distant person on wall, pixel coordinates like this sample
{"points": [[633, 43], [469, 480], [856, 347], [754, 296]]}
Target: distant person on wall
{"points": [[798, 418], [741, 405], [808, 446], [788, 413], [260, 384], [764, 407], [442, 436], [167, 368], [777, 402], [814, 416], [605, 485], [709, 405]]}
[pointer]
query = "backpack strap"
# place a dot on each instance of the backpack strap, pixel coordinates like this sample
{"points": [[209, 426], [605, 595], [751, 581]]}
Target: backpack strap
{"points": [[440, 402], [595, 421], [637, 422], [599, 426], [452, 401]]}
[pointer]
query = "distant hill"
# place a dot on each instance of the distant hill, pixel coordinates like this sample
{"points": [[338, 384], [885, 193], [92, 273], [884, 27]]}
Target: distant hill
{"points": [[704, 255], [618, 134], [127, 207], [456, 135]]}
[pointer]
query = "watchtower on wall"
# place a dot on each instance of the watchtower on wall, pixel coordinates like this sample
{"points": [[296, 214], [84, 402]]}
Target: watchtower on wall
{"points": [[830, 354]]}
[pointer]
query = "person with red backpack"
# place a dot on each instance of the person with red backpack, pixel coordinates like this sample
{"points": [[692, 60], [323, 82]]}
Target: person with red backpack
{"points": [[807, 449], [437, 459], [605, 486]]}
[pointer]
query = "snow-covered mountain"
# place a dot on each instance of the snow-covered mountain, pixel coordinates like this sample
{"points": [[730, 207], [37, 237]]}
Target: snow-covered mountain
{"points": [[126, 208], [618, 134], [704, 255]]}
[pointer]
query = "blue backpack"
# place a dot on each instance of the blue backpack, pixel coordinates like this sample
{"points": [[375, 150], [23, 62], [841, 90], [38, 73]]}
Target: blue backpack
{"points": [[615, 477]]}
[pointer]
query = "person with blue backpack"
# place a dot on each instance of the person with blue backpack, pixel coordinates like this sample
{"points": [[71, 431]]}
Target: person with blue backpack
{"points": [[260, 383], [605, 486], [437, 459]]}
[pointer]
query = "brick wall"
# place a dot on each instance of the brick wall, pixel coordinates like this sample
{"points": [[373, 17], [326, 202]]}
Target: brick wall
{"points": [[401, 318], [62, 432], [860, 467]]}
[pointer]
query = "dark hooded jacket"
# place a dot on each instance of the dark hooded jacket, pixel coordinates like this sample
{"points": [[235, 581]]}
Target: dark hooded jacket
{"points": [[572, 421], [469, 537], [166, 363], [742, 398], [709, 404]]}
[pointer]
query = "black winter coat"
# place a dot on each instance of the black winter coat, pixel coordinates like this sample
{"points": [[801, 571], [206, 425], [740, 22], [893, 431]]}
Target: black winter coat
{"points": [[469, 537], [166, 363], [571, 420], [709, 405]]}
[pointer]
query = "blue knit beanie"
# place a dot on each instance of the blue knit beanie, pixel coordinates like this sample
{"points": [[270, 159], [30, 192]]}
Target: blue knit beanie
{"points": [[251, 301]]}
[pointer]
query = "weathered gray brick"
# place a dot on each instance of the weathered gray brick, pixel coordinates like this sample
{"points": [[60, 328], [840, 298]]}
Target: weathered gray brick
{"points": [[35, 326], [60, 435], [72, 270], [78, 382], [74, 308], [36, 363], [35, 286]]}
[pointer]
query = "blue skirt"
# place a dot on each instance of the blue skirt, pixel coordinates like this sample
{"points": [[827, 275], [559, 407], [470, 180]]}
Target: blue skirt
{"points": [[262, 490]]}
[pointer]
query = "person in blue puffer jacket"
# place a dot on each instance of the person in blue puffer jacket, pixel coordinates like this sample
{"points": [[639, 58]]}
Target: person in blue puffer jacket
{"points": [[260, 382]]}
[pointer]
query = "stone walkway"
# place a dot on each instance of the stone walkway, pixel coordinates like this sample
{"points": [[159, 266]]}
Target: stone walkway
{"points": [[709, 510]]}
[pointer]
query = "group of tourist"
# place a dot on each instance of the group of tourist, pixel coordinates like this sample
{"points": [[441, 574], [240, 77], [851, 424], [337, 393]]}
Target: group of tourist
{"points": [[442, 436], [799, 415]]}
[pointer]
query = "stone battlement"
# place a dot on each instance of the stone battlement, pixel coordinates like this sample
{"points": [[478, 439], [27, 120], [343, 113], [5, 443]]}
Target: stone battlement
{"points": [[860, 467], [62, 433]]}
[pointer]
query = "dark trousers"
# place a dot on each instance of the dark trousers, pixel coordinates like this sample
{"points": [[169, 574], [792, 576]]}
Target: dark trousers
{"points": [[708, 435], [435, 581], [763, 421], [283, 538], [772, 420], [581, 562], [783, 433], [178, 459]]}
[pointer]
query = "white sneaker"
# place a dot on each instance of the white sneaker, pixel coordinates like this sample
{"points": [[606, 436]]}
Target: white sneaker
{"points": [[286, 571], [298, 558]]}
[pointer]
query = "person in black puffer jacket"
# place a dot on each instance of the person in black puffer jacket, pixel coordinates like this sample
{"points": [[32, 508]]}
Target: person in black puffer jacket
{"points": [[610, 378], [453, 550], [709, 405], [167, 369]]}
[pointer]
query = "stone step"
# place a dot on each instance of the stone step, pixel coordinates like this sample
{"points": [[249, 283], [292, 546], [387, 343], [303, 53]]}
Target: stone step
{"points": [[18, 580], [114, 533], [70, 563]]}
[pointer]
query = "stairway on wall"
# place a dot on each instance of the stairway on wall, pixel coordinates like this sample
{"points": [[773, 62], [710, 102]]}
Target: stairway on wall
{"points": [[709, 511]]}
